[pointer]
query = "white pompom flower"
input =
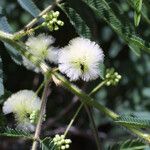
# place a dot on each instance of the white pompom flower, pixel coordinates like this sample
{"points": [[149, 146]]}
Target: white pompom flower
{"points": [[23, 105], [81, 59], [41, 47]]}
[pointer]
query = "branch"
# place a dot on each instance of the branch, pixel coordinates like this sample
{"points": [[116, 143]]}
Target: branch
{"points": [[50, 121], [6, 37], [41, 115], [91, 102], [35, 20]]}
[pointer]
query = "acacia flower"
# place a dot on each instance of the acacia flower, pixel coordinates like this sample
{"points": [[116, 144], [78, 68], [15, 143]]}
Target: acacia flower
{"points": [[41, 47], [24, 105], [81, 59]]}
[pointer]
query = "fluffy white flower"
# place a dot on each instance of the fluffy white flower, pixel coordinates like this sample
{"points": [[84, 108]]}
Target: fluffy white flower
{"points": [[41, 47], [22, 104], [53, 55], [29, 65], [38, 45], [81, 59]]}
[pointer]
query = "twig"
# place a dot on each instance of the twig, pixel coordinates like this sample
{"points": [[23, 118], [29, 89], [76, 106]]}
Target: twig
{"points": [[42, 112], [94, 128], [75, 131], [30, 24], [72, 120], [50, 122], [95, 131]]}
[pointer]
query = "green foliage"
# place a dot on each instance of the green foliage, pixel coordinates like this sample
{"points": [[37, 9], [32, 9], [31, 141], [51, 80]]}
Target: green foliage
{"points": [[48, 144], [78, 23], [134, 90], [1, 78], [137, 6], [15, 133], [137, 13], [4, 26], [119, 23], [29, 6], [130, 145], [134, 121]]}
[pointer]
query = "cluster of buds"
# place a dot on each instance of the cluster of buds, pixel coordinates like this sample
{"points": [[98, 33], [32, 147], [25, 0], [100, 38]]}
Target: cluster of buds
{"points": [[52, 21], [112, 77], [61, 143], [34, 117]]}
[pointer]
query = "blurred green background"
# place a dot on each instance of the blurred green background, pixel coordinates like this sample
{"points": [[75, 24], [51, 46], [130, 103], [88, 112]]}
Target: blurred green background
{"points": [[130, 96]]}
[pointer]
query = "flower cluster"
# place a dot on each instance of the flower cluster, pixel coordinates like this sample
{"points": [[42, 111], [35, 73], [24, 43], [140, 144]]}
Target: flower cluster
{"points": [[61, 142], [81, 59], [51, 20], [25, 106], [112, 77], [41, 47]]}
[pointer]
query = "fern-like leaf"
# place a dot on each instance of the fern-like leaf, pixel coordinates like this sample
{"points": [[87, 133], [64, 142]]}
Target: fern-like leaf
{"points": [[122, 27], [15, 133], [77, 22], [4, 26], [133, 121], [29, 6], [129, 145], [48, 144]]}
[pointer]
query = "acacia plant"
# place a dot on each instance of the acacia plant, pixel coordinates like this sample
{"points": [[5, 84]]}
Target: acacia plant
{"points": [[81, 59]]}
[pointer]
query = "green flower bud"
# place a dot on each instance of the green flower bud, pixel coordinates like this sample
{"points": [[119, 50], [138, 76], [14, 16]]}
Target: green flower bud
{"points": [[67, 146], [59, 143], [59, 22], [67, 141], [54, 139], [51, 22], [62, 141], [56, 14], [62, 136], [56, 28], [54, 20], [108, 75], [50, 28], [44, 16], [108, 83], [57, 136], [44, 24], [116, 80], [63, 147], [119, 76]]}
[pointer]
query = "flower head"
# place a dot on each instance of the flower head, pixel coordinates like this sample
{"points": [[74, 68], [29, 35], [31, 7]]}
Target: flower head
{"points": [[81, 59], [41, 47], [38, 45], [23, 104]]}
